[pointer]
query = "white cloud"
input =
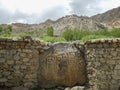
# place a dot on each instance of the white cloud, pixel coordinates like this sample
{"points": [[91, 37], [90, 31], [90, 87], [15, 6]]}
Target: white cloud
{"points": [[36, 11], [108, 4], [92, 7], [32, 6]]}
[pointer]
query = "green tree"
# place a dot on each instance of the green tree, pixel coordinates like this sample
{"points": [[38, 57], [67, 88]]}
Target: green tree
{"points": [[7, 31], [50, 31], [1, 28], [10, 28]]}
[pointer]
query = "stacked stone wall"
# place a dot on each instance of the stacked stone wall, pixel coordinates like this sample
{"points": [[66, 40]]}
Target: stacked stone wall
{"points": [[103, 64], [30, 63], [19, 62]]}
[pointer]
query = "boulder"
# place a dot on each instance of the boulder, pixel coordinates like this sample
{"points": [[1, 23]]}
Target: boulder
{"points": [[62, 64]]}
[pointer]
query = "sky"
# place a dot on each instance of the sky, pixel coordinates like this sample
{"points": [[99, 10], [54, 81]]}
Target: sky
{"points": [[37, 11]]}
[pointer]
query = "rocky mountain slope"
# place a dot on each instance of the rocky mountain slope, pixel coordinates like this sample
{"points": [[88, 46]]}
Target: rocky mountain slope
{"points": [[108, 19], [60, 25], [75, 22]]}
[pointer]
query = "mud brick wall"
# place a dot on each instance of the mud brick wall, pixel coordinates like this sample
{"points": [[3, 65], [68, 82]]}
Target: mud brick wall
{"points": [[19, 62], [103, 64]]}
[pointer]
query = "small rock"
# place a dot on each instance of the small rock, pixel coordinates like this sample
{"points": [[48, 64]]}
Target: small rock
{"points": [[16, 67], [68, 88], [117, 67], [3, 80], [27, 51], [28, 84], [20, 88], [16, 57], [25, 59], [10, 62], [6, 73], [60, 88], [2, 60], [10, 77], [23, 54], [78, 88], [23, 67]]}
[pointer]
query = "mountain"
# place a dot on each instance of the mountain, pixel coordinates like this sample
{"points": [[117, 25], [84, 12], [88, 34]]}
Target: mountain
{"points": [[75, 22], [110, 18], [60, 25]]}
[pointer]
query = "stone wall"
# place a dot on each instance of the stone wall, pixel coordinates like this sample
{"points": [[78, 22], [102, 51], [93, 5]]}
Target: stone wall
{"points": [[103, 64], [19, 62], [30, 63]]}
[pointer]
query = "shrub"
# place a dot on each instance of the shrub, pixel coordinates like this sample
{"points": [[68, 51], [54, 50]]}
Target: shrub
{"points": [[115, 32], [7, 31], [68, 35], [9, 27], [89, 37], [50, 31], [75, 34], [103, 32], [19, 34]]}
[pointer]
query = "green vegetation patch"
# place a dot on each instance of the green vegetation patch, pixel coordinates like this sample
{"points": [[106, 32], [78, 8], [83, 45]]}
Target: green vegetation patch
{"points": [[68, 35]]}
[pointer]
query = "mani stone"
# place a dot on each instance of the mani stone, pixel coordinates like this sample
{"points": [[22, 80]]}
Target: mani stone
{"points": [[61, 64]]}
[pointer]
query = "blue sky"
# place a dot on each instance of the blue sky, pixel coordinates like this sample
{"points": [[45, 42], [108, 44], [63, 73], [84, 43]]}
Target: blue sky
{"points": [[36, 11]]}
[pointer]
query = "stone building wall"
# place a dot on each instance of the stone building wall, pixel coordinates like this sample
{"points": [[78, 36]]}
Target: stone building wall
{"points": [[103, 64]]}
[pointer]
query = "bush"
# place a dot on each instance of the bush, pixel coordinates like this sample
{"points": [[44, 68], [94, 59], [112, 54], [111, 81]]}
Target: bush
{"points": [[50, 31], [75, 34], [9, 27], [68, 35], [7, 31], [19, 34], [89, 37], [115, 32]]}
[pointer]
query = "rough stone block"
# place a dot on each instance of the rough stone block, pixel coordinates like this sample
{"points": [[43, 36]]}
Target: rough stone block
{"points": [[19, 88], [25, 59], [78, 88], [16, 57], [3, 80], [117, 67], [2, 60], [10, 62], [6, 73]]}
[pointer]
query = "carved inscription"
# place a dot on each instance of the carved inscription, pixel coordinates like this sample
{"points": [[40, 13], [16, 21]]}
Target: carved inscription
{"points": [[60, 57]]}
